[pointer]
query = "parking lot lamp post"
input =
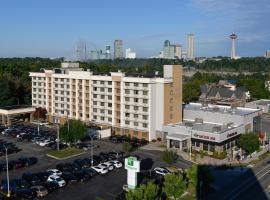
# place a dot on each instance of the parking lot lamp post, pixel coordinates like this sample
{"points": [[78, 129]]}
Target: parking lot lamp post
{"points": [[92, 161], [57, 130], [8, 194], [38, 123]]}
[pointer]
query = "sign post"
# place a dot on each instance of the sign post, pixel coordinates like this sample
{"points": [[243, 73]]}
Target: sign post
{"points": [[132, 165]]}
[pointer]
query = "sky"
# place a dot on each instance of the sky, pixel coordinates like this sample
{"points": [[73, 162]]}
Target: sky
{"points": [[52, 28]]}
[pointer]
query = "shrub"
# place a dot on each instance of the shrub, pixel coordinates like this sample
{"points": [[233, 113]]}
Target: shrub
{"points": [[169, 157]]}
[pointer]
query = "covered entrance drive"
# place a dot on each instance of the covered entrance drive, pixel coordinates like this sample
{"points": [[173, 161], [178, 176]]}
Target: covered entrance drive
{"points": [[9, 113], [178, 141]]}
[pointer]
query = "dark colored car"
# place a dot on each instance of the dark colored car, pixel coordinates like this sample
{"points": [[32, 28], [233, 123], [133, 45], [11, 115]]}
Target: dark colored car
{"points": [[43, 176], [82, 176], [21, 183], [24, 194], [31, 178], [28, 161], [69, 177], [50, 186]]}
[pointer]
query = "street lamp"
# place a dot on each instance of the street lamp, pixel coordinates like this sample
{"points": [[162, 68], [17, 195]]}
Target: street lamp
{"points": [[8, 194], [92, 161], [38, 121], [57, 129]]}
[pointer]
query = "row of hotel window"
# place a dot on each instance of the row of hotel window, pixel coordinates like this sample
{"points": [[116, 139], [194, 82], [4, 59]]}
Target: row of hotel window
{"points": [[94, 81]]}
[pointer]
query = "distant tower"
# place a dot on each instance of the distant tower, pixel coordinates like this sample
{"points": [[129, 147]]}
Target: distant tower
{"points": [[233, 36], [118, 49], [108, 52], [190, 47]]}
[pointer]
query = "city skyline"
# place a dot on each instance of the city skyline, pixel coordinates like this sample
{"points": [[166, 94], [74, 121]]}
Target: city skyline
{"points": [[52, 29]]}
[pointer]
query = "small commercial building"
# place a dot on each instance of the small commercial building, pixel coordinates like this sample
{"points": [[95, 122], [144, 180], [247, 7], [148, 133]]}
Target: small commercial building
{"points": [[8, 113], [210, 128]]}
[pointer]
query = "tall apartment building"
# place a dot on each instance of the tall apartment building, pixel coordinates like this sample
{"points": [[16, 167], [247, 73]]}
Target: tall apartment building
{"points": [[135, 105], [190, 48], [267, 54], [118, 49], [172, 51]]}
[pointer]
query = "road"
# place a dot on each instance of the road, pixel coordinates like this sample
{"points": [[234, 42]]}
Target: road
{"points": [[252, 185]]}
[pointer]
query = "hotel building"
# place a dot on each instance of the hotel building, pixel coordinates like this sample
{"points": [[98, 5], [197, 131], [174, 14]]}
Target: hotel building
{"points": [[131, 104]]}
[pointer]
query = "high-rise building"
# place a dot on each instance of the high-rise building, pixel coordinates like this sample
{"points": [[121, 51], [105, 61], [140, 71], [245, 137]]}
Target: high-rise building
{"points": [[168, 50], [108, 52], [233, 36], [135, 105], [267, 54], [118, 49], [190, 46], [178, 51], [130, 54]]}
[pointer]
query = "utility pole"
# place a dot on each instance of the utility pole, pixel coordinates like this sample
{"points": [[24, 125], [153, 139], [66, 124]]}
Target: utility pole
{"points": [[8, 194]]}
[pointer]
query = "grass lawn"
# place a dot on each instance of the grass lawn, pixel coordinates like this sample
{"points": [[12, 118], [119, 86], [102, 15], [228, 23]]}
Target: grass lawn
{"points": [[65, 153]]}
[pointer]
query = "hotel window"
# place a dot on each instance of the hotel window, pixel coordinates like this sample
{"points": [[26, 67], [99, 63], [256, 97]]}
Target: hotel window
{"points": [[144, 134], [109, 105], [136, 108], [102, 82], [127, 91], [102, 103], [127, 114], [102, 96], [126, 98], [171, 108], [136, 84], [118, 98], [102, 118], [144, 125], [127, 84], [109, 83], [171, 100], [171, 116], [145, 109], [102, 111], [144, 85], [56, 79], [110, 97], [171, 92], [145, 117], [135, 123], [205, 147], [127, 122], [94, 110], [145, 92], [136, 92], [95, 88], [145, 101], [102, 89], [94, 81], [136, 100], [109, 112], [135, 133], [56, 98], [95, 117], [110, 119], [95, 103], [95, 95], [136, 116], [126, 106], [109, 89]]}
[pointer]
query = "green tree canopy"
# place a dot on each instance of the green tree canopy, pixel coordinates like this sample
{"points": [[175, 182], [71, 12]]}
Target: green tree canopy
{"points": [[169, 156], [126, 147], [77, 131], [249, 142], [174, 186], [147, 191]]}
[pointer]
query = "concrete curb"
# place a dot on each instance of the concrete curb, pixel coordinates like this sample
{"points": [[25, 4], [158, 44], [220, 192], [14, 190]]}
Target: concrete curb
{"points": [[65, 157]]}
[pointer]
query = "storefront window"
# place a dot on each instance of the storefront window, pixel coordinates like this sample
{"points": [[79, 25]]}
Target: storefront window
{"points": [[212, 148], [205, 147], [193, 143], [197, 144], [174, 144], [184, 144]]}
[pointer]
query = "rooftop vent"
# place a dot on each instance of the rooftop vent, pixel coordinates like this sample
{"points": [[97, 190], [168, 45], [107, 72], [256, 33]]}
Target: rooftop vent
{"points": [[216, 129], [198, 120]]}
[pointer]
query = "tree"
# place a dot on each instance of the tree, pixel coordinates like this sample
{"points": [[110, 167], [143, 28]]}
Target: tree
{"points": [[249, 142], [147, 191], [169, 156], [126, 147], [77, 131], [174, 186], [40, 113]]}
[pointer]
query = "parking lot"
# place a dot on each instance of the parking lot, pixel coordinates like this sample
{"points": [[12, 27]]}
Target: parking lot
{"points": [[104, 186]]}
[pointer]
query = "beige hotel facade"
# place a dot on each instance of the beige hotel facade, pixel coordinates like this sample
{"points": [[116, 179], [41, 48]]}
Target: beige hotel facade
{"points": [[136, 105]]}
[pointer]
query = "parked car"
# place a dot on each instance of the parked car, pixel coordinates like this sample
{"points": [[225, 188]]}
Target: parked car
{"points": [[108, 165], [51, 186], [55, 172], [24, 194], [161, 171], [100, 169], [116, 163], [69, 177], [31, 178], [40, 190], [57, 179]]}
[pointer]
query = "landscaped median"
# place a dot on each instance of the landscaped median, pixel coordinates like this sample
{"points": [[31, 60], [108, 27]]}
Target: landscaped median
{"points": [[65, 153]]}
